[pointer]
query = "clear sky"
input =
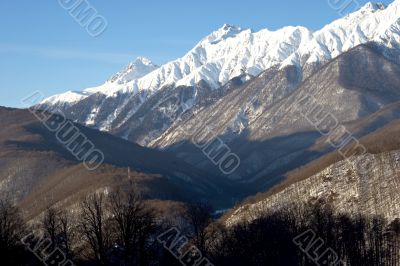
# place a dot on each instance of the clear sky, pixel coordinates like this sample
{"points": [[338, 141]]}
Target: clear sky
{"points": [[43, 48]]}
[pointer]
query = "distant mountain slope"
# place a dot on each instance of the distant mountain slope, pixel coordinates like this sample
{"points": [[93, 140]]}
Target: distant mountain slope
{"points": [[38, 170], [336, 180]]}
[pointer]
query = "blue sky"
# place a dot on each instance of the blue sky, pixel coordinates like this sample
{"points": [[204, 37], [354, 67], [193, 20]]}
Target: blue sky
{"points": [[43, 48]]}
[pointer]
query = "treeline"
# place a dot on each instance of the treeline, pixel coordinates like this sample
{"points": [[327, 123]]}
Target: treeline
{"points": [[121, 229]]}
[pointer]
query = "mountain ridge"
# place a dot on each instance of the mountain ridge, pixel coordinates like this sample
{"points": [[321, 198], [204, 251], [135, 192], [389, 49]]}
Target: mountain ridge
{"points": [[264, 128], [231, 52]]}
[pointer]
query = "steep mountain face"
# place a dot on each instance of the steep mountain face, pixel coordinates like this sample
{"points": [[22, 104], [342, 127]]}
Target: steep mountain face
{"points": [[372, 193], [160, 111], [206, 73], [267, 121], [38, 171]]}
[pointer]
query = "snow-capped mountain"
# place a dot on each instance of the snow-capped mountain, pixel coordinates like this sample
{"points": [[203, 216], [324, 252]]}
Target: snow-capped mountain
{"points": [[132, 103], [230, 51], [264, 121], [373, 22], [134, 70], [120, 82], [244, 87]]}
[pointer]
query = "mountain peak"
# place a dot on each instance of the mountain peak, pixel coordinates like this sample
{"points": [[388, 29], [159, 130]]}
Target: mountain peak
{"points": [[223, 33], [372, 7], [228, 27], [136, 69], [142, 60]]}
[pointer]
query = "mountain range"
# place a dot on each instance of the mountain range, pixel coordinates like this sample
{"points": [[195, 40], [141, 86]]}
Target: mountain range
{"points": [[241, 91], [228, 53]]}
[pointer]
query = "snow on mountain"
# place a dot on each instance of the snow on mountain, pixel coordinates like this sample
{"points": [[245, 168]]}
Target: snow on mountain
{"points": [[231, 51], [134, 70], [264, 123], [373, 22], [68, 97], [120, 82]]}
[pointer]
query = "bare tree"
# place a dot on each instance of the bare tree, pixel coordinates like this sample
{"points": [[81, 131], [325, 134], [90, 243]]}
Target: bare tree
{"points": [[134, 224], [12, 229], [11, 225], [199, 217], [67, 232], [51, 225], [93, 226]]}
